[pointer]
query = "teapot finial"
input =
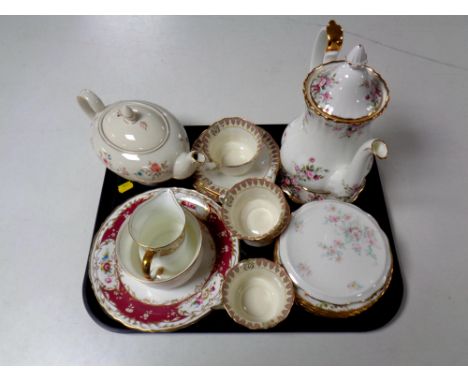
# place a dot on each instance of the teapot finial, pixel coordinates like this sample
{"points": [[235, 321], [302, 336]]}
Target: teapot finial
{"points": [[128, 113]]}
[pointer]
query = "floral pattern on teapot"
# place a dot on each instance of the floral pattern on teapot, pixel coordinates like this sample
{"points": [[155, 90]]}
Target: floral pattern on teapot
{"points": [[320, 89], [105, 157], [374, 96], [346, 131], [307, 171], [153, 170]]}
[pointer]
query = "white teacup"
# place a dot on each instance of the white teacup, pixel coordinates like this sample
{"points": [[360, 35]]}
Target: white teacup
{"points": [[256, 211], [232, 145]]}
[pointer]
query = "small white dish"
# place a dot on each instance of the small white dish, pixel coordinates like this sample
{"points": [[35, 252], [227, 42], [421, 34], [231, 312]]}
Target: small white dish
{"points": [[177, 268], [214, 183], [256, 211], [258, 294], [335, 252]]}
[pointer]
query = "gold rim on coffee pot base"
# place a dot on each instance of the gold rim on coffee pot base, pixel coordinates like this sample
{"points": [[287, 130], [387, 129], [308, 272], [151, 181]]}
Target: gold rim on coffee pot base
{"points": [[319, 195]]}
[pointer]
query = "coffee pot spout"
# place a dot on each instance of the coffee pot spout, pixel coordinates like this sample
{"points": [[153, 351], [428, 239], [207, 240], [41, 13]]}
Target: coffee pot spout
{"points": [[362, 163], [349, 180]]}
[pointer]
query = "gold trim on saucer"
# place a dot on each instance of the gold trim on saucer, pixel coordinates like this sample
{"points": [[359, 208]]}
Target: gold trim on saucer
{"points": [[226, 123], [348, 313], [311, 308], [205, 186]]}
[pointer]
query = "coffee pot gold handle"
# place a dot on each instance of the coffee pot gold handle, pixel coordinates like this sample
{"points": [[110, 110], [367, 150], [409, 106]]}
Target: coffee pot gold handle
{"points": [[327, 44]]}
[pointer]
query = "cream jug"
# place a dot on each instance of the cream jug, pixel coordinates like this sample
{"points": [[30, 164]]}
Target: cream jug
{"points": [[169, 240], [328, 150]]}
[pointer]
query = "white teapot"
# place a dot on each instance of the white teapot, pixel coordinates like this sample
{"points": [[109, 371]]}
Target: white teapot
{"points": [[139, 141], [328, 151]]}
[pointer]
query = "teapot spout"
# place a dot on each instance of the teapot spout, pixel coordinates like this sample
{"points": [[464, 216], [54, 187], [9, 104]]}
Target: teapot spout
{"points": [[349, 180], [186, 164]]}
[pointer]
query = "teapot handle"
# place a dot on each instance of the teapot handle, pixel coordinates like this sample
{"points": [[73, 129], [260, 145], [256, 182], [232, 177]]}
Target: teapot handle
{"points": [[90, 103], [327, 44]]}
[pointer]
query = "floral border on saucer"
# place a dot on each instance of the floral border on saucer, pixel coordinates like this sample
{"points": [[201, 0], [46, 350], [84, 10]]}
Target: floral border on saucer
{"points": [[132, 313]]}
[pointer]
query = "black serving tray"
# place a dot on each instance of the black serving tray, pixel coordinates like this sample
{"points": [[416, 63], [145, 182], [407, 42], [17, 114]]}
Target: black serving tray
{"points": [[370, 200]]}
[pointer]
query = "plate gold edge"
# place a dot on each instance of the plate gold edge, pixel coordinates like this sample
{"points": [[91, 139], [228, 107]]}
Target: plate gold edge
{"points": [[343, 314]]}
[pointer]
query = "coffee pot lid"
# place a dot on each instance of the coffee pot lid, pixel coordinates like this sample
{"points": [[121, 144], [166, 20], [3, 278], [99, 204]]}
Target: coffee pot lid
{"points": [[346, 91], [134, 126]]}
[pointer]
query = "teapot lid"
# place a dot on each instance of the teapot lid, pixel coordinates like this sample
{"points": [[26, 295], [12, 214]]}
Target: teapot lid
{"points": [[346, 91], [134, 126]]}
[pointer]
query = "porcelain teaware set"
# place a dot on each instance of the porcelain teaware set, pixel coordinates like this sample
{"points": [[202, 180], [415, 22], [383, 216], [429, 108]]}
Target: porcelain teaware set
{"points": [[163, 259]]}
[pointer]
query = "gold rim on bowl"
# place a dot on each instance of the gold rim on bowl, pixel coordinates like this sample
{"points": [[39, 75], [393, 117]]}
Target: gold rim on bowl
{"points": [[285, 215], [278, 272]]}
